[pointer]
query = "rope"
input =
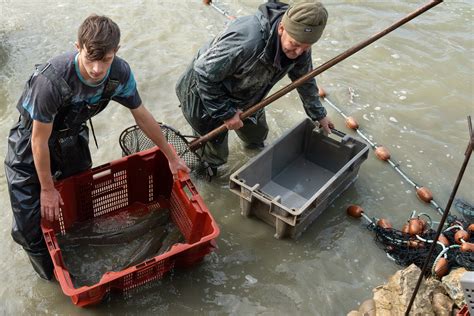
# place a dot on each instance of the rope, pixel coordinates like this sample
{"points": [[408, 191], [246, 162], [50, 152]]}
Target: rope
{"points": [[394, 165]]}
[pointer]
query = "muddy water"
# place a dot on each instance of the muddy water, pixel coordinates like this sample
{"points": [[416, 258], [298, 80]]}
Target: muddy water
{"points": [[410, 91]]}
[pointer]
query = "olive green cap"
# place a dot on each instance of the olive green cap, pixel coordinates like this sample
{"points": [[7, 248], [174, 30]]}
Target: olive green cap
{"points": [[305, 21]]}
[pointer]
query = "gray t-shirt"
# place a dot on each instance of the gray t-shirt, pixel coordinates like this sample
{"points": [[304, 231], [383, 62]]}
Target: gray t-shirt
{"points": [[41, 100]]}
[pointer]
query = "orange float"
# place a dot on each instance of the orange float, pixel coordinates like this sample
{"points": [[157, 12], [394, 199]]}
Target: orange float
{"points": [[441, 267], [470, 228], [384, 223], [382, 153], [321, 92], [415, 226], [405, 229], [467, 247], [442, 239], [351, 123], [354, 211], [461, 234], [424, 194]]}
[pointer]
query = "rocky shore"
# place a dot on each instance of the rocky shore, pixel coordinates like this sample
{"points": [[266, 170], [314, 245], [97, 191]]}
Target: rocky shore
{"points": [[435, 297]]}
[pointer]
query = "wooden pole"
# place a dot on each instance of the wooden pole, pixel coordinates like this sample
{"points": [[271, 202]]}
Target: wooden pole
{"points": [[199, 142]]}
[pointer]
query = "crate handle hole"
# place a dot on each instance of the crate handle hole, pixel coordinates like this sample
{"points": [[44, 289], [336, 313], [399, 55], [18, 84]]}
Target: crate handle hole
{"points": [[101, 174], [188, 192]]}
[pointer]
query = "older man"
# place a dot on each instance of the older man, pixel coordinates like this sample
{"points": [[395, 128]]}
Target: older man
{"points": [[240, 66]]}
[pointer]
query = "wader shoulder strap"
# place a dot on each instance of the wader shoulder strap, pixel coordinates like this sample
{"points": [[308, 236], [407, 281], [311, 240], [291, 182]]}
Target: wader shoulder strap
{"points": [[49, 72], [110, 87], [65, 90], [57, 81], [112, 82]]}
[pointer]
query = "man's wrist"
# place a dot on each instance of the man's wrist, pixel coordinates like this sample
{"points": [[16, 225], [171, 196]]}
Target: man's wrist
{"points": [[229, 115], [174, 158]]}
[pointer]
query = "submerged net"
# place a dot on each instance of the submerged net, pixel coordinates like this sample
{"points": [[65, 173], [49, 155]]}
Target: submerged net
{"points": [[133, 140], [406, 249], [465, 209]]}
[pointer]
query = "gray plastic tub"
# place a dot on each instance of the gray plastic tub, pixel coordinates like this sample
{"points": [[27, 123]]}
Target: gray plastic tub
{"points": [[290, 183]]}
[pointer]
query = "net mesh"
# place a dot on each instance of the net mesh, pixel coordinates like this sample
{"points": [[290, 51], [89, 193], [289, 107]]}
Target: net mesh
{"points": [[133, 140], [465, 208], [406, 249]]}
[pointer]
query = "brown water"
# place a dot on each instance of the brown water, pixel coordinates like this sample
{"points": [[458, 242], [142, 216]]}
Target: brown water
{"points": [[410, 91]]}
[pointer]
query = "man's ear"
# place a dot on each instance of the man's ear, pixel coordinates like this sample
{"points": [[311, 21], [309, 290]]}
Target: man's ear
{"points": [[281, 28], [77, 46]]}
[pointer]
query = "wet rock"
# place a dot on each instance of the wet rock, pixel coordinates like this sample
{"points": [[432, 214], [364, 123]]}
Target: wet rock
{"points": [[452, 285], [442, 304], [393, 298], [434, 297], [367, 308]]}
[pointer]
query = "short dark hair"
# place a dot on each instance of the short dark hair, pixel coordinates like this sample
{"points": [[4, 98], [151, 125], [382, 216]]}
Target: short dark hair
{"points": [[99, 35]]}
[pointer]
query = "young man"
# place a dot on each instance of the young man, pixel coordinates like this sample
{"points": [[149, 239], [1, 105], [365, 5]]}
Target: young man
{"points": [[238, 68], [50, 141]]}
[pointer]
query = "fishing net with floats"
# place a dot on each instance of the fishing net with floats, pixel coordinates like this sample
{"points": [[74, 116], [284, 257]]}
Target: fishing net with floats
{"points": [[406, 249], [465, 209]]}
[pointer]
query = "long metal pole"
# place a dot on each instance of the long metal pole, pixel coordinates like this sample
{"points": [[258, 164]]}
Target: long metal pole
{"points": [[467, 156], [198, 143]]}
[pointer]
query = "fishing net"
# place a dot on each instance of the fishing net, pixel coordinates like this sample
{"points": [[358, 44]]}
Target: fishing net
{"points": [[406, 249], [133, 140], [465, 209]]}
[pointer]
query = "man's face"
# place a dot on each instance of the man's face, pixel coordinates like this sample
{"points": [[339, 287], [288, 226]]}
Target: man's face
{"points": [[291, 47], [94, 70]]}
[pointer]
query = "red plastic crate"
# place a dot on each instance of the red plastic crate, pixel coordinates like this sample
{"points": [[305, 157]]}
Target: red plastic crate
{"points": [[464, 311], [141, 180]]}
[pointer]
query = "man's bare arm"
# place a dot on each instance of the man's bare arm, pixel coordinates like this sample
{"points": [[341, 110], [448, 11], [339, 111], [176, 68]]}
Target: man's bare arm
{"points": [[152, 129], [50, 200]]}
